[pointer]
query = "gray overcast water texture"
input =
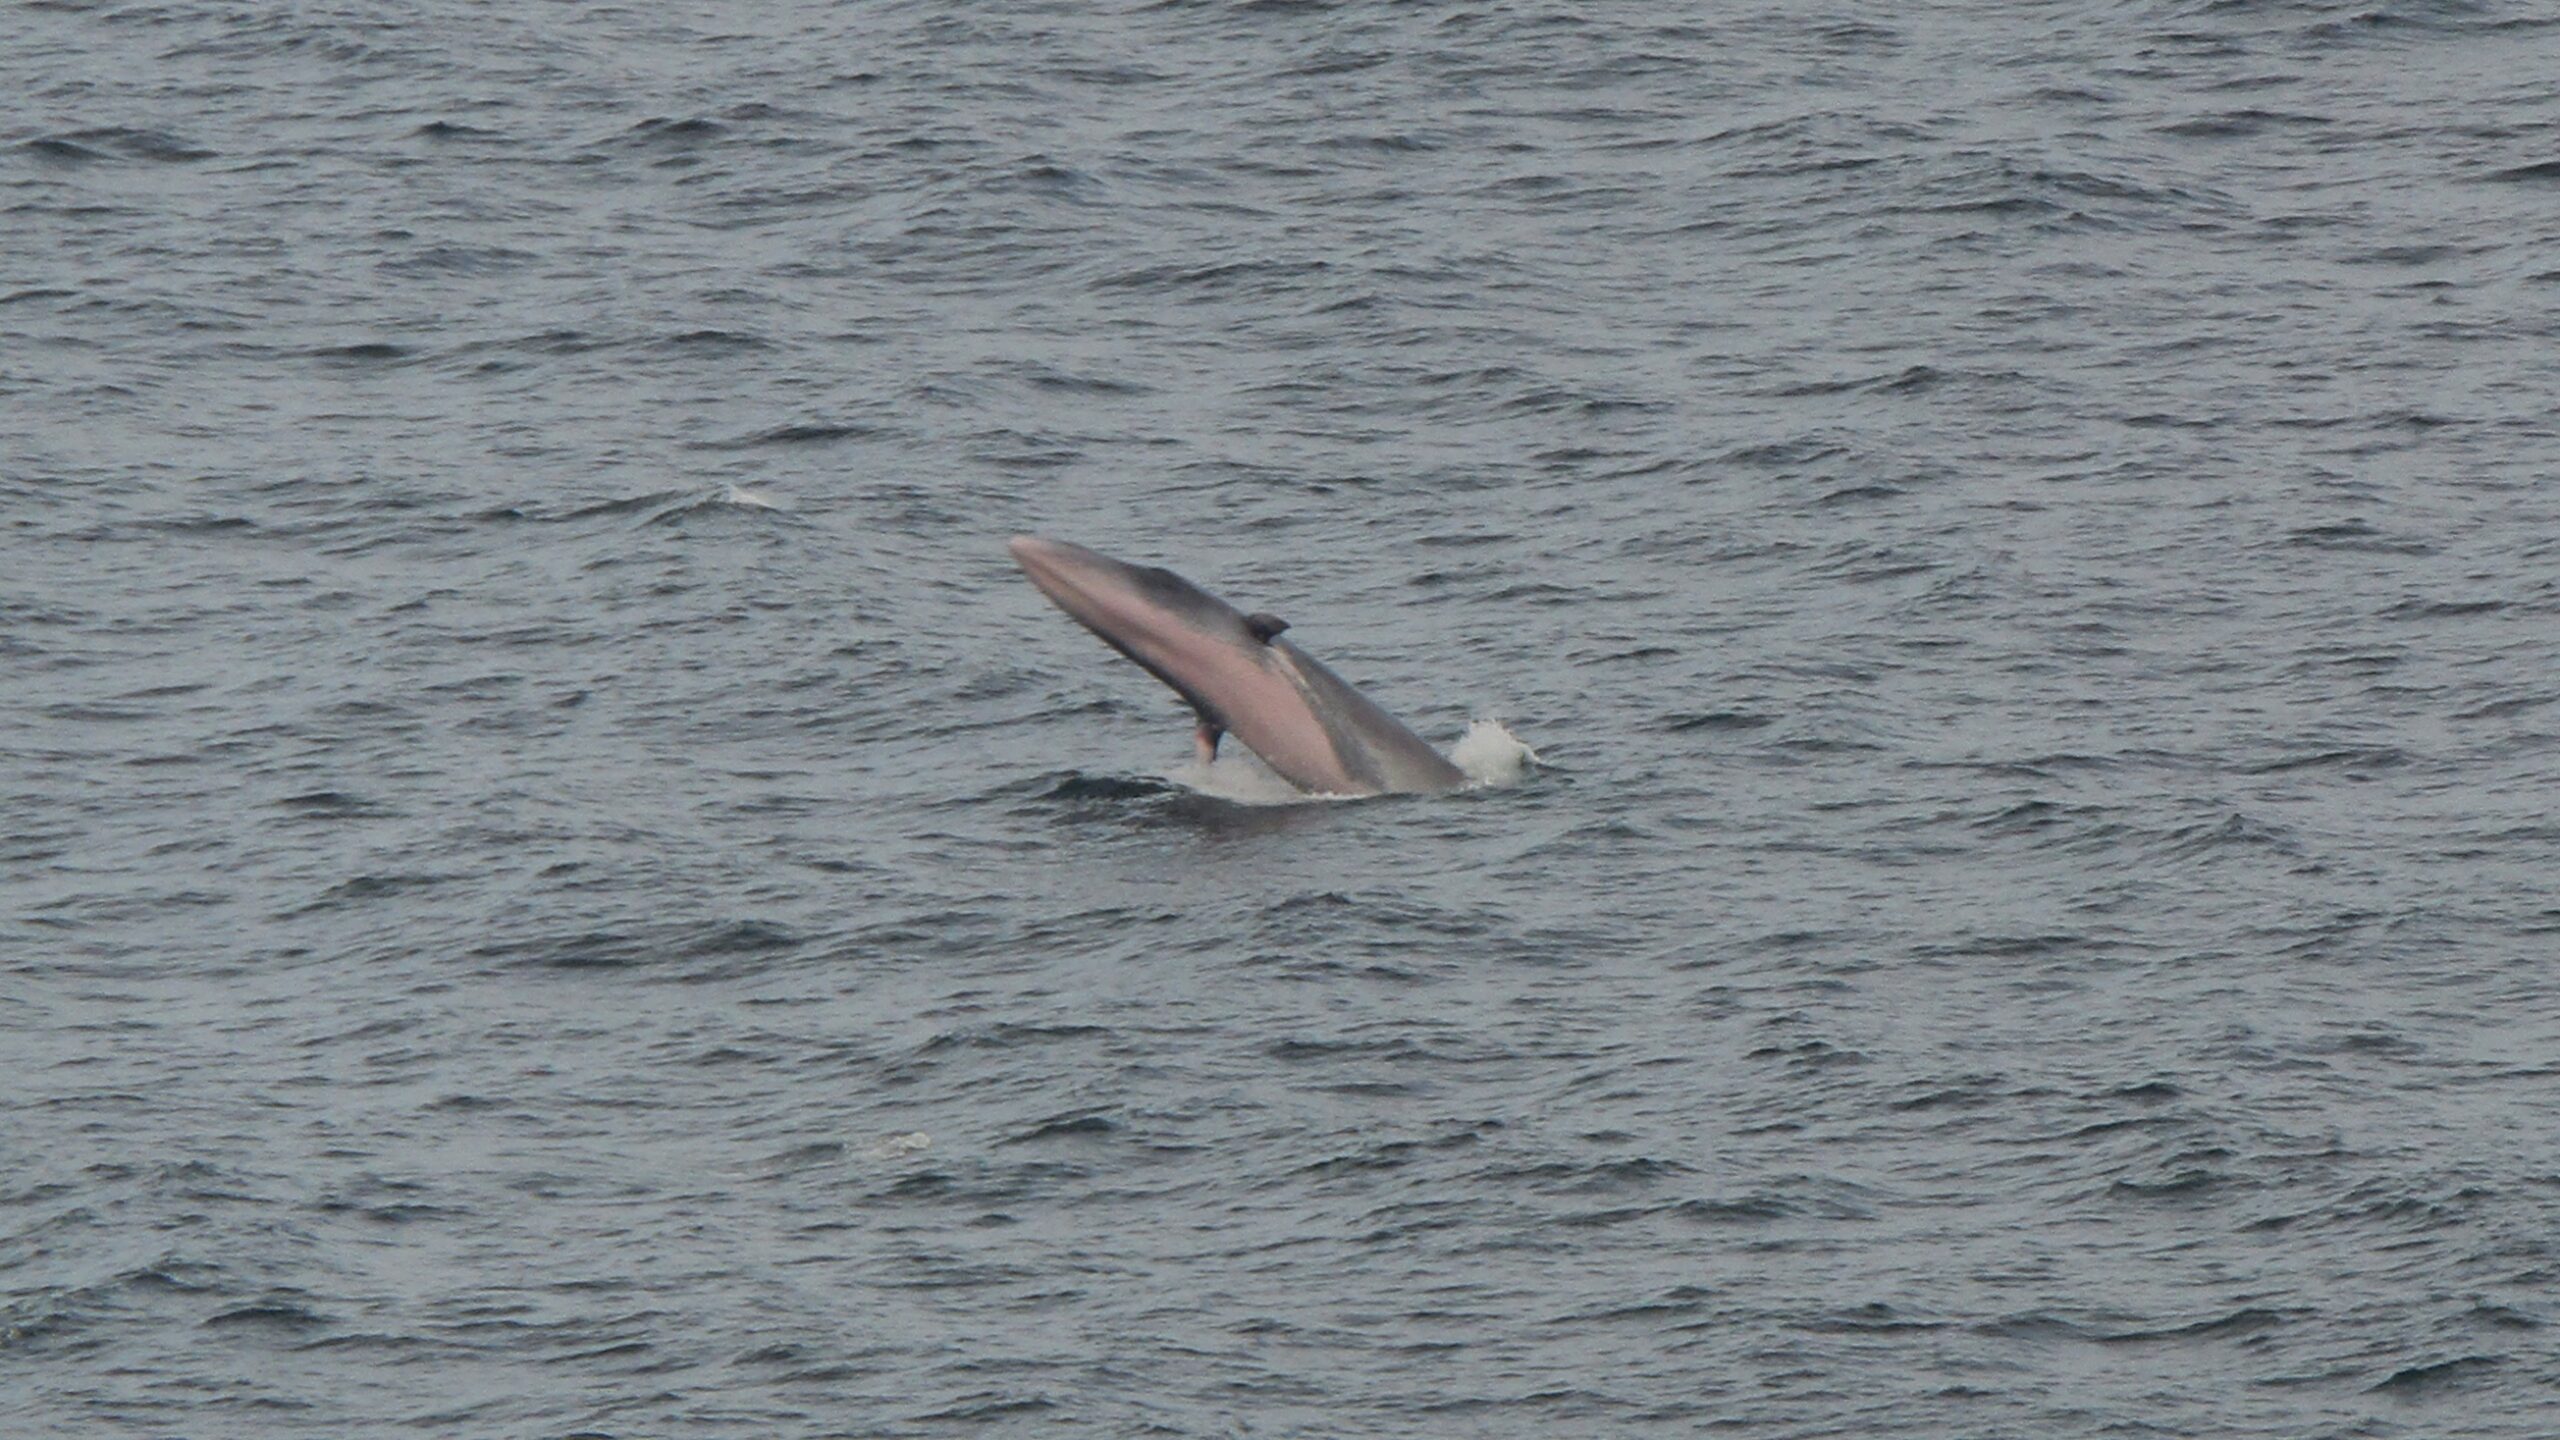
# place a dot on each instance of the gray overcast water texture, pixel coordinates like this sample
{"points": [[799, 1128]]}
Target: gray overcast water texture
{"points": [[556, 882]]}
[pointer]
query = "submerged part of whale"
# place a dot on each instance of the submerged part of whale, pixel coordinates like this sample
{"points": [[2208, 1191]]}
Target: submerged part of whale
{"points": [[1239, 676]]}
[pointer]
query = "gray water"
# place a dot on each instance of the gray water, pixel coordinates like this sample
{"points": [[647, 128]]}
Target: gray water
{"points": [[557, 882]]}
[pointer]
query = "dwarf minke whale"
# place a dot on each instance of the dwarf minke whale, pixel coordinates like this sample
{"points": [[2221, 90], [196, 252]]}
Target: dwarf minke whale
{"points": [[1239, 676]]}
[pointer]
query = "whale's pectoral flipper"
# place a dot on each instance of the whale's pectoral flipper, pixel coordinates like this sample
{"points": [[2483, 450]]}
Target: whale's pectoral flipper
{"points": [[1310, 727]]}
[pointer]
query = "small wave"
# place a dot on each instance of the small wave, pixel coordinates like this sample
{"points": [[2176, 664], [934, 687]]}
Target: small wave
{"points": [[714, 341], [1726, 720], [453, 130], [2240, 124], [80, 147], [1073, 1125], [665, 507], [1911, 379], [61, 152], [675, 131], [803, 433], [1078, 786], [435, 260], [275, 1314], [2243, 1323], [2425, 1379], [365, 352]]}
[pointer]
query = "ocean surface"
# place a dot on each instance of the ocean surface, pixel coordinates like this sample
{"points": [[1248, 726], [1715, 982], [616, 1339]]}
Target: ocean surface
{"points": [[556, 882]]}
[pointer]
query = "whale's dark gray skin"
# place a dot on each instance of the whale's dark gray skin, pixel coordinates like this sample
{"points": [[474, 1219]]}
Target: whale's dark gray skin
{"points": [[1240, 677]]}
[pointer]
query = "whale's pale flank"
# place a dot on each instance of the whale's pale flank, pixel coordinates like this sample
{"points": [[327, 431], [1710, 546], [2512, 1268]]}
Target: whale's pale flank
{"points": [[1239, 676]]}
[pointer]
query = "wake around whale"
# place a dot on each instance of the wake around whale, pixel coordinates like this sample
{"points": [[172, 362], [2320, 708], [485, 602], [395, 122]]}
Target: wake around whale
{"points": [[1239, 676]]}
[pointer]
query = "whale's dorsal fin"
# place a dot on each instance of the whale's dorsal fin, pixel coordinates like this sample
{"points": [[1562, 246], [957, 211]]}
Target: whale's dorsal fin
{"points": [[1264, 625]]}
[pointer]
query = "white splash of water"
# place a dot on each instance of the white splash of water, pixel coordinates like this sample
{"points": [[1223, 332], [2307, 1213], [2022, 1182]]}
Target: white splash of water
{"points": [[751, 499], [891, 1147], [1491, 754], [1239, 779]]}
